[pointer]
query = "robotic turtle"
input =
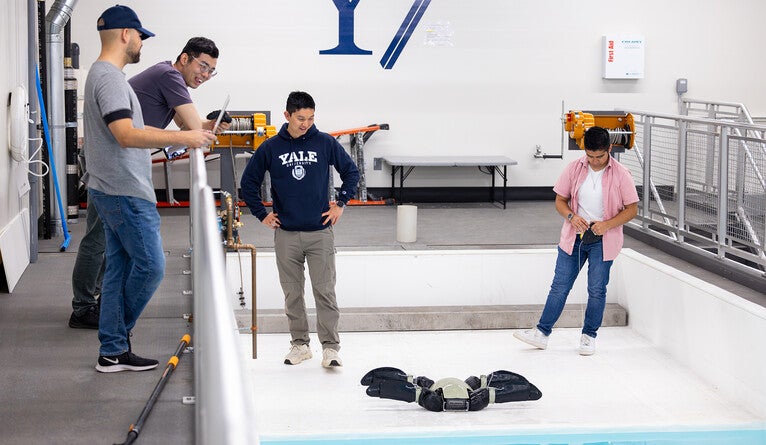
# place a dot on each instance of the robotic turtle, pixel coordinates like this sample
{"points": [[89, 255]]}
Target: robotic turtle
{"points": [[450, 394]]}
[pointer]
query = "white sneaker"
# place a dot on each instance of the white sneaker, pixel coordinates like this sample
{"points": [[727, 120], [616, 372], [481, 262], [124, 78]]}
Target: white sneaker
{"points": [[533, 337], [587, 345], [330, 358], [297, 354]]}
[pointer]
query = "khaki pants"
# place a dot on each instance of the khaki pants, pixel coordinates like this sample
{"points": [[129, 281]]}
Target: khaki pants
{"points": [[318, 250]]}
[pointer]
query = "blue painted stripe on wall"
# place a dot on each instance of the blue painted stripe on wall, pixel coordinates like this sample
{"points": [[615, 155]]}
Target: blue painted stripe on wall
{"points": [[403, 35]]}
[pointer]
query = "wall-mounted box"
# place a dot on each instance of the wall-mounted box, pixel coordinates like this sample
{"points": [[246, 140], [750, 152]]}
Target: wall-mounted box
{"points": [[623, 57]]}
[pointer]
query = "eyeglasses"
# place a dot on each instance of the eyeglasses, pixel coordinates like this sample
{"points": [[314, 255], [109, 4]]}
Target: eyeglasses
{"points": [[204, 67]]}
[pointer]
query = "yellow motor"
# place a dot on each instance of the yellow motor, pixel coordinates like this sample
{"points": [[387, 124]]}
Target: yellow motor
{"points": [[621, 127], [246, 131]]}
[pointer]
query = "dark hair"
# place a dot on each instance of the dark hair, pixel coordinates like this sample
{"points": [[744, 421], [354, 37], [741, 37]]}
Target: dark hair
{"points": [[596, 138], [199, 45], [298, 100]]}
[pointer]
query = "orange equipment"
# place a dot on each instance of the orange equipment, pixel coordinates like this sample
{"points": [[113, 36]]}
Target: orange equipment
{"points": [[245, 131], [621, 127]]}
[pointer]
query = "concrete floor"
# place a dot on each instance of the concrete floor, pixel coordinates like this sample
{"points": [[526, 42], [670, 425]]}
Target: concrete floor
{"points": [[50, 393]]}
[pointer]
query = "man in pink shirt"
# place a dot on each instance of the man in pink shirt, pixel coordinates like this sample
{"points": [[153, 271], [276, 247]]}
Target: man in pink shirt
{"points": [[596, 196]]}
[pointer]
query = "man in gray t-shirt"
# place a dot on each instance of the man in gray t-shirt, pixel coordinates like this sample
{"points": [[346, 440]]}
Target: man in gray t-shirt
{"points": [[120, 187]]}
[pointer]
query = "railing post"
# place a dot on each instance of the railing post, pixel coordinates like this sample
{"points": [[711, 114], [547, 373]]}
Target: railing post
{"points": [[723, 190], [681, 182], [647, 179]]}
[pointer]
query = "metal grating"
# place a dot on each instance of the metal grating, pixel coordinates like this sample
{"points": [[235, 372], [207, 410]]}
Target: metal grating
{"points": [[701, 183]]}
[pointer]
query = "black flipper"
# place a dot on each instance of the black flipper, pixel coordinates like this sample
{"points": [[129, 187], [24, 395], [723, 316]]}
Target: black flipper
{"points": [[394, 390], [382, 374]]}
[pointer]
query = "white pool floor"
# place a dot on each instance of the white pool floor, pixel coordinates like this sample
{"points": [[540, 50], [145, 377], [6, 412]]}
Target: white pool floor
{"points": [[628, 385]]}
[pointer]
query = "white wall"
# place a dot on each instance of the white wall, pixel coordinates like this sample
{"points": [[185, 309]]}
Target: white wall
{"points": [[497, 90], [416, 278], [712, 331], [14, 196], [13, 50]]}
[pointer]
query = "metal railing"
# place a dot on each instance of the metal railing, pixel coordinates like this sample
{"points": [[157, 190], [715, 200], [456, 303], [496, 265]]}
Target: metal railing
{"points": [[729, 111], [701, 183], [224, 397]]}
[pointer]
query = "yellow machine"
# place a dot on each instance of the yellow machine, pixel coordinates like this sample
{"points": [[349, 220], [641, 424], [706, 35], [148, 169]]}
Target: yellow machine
{"points": [[246, 131], [621, 127]]}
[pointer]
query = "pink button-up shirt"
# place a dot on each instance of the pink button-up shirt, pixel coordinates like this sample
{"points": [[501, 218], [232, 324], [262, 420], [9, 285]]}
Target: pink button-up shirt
{"points": [[618, 191]]}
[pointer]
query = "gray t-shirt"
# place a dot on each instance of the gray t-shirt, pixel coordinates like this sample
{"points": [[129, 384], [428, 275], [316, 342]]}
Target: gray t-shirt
{"points": [[112, 169]]}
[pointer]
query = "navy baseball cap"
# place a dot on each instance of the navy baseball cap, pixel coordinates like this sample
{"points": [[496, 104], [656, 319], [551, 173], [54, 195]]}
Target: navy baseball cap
{"points": [[119, 16]]}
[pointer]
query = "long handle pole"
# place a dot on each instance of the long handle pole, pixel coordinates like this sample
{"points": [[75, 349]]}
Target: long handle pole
{"points": [[135, 429]]}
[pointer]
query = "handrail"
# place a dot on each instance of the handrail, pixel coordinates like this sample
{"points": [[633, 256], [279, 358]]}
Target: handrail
{"points": [[224, 397], [743, 111], [703, 188]]}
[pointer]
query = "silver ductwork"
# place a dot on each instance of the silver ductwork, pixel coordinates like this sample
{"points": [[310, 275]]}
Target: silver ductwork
{"points": [[55, 21]]}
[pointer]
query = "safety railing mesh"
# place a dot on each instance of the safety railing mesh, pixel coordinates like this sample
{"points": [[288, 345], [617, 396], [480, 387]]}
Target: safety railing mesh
{"points": [[686, 195]]}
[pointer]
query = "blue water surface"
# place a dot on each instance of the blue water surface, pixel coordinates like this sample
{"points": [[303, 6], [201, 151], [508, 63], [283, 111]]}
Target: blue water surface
{"points": [[735, 437]]}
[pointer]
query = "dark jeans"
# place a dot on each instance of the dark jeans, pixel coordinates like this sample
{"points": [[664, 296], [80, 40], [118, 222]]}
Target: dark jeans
{"points": [[89, 267]]}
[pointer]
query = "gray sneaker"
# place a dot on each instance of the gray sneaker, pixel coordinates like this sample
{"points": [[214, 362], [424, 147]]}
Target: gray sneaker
{"points": [[533, 337], [587, 345], [297, 354]]}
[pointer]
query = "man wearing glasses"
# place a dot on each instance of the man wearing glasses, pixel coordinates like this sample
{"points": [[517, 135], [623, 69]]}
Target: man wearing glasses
{"points": [[163, 89], [163, 92]]}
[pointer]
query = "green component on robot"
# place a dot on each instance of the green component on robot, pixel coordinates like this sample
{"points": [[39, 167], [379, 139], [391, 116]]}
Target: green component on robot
{"points": [[450, 394]]}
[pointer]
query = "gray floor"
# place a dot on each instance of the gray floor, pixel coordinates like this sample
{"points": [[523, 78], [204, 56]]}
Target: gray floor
{"points": [[50, 393]]}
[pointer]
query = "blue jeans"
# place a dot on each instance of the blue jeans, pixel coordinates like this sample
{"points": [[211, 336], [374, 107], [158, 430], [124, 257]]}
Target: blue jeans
{"points": [[89, 267], [567, 269], [135, 265]]}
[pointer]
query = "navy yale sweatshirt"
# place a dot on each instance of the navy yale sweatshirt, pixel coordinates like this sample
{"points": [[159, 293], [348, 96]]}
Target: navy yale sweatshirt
{"points": [[300, 178]]}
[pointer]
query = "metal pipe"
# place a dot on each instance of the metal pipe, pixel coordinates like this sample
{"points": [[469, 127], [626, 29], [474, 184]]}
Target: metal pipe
{"points": [[55, 20], [231, 244], [135, 429]]}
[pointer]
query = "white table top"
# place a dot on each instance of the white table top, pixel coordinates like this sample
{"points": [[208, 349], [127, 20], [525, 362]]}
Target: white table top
{"points": [[448, 161]]}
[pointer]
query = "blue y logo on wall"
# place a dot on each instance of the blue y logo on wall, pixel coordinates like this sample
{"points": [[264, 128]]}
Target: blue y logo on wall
{"points": [[346, 43]]}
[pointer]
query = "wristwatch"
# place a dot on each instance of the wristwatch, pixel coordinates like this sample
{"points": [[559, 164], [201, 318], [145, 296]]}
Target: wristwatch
{"points": [[570, 216], [340, 203]]}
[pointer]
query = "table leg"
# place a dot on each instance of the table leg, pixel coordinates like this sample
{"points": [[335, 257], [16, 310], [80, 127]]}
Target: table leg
{"points": [[491, 168], [393, 181], [505, 182]]}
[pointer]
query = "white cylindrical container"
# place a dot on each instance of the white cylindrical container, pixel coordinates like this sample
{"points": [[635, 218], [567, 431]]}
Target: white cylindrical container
{"points": [[406, 223]]}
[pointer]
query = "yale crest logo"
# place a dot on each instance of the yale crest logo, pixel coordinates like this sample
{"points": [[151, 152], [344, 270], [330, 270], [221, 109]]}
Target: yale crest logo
{"points": [[346, 43], [297, 160], [299, 172]]}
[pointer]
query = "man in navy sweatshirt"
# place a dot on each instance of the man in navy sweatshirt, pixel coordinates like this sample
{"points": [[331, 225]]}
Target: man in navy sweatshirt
{"points": [[298, 160]]}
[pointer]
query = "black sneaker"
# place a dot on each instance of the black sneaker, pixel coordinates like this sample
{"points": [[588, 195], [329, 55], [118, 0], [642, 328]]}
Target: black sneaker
{"points": [[127, 361], [88, 320]]}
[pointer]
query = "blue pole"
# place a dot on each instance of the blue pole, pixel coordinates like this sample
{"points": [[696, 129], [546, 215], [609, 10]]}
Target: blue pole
{"points": [[44, 118]]}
